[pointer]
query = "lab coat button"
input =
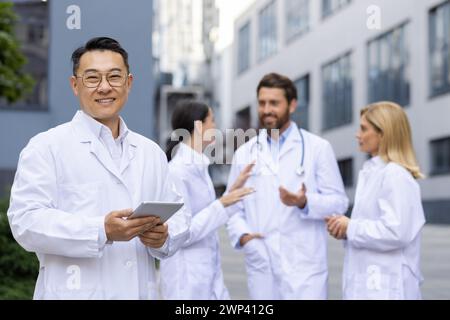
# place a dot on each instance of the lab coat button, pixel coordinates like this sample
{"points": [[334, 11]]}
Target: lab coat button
{"points": [[129, 264]]}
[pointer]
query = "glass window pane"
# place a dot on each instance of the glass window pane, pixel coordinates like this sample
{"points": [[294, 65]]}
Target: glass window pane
{"points": [[337, 93], [389, 76], [244, 48], [297, 17], [439, 41], [301, 115], [267, 31]]}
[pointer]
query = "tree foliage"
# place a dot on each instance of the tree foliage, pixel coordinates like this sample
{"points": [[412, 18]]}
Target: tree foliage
{"points": [[18, 268], [14, 83]]}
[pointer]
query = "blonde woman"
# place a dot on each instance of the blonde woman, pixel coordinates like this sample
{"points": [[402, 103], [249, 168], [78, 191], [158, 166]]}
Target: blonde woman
{"points": [[383, 235]]}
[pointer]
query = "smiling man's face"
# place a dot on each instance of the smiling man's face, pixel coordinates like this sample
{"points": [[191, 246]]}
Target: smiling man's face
{"points": [[104, 102]]}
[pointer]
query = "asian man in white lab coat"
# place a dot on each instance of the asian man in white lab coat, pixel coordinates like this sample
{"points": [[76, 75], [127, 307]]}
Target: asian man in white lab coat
{"points": [[281, 227], [76, 184]]}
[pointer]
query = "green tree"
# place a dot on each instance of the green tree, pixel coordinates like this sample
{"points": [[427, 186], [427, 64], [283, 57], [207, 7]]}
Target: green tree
{"points": [[18, 268], [14, 83]]}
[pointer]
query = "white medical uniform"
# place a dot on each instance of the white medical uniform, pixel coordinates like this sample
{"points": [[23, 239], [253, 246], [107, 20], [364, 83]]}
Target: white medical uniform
{"points": [[68, 179], [383, 237], [194, 272], [290, 262]]}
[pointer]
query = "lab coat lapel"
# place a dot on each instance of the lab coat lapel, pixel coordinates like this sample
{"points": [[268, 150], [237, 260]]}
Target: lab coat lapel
{"points": [[366, 181], [96, 148], [293, 141], [130, 147], [102, 155], [265, 156]]}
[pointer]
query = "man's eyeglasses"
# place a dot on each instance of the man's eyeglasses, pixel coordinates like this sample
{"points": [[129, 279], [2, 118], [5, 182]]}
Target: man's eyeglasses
{"points": [[114, 78]]}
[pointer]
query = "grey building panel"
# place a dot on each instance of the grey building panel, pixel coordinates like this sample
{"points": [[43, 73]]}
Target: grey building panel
{"points": [[16, 129]]}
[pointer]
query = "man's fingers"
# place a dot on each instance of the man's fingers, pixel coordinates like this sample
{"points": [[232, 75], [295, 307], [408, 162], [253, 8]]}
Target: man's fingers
{"points": [[122, 213], [140, 229], [161, 228], [152, 236], [283, 192], [137, 222], [156, 236]]}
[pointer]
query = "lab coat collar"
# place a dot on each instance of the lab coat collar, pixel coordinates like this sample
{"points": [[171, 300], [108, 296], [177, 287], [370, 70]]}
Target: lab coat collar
{"points": [[190, 156], [97, 128], [88, 130], [374, 163], [292, 140]]}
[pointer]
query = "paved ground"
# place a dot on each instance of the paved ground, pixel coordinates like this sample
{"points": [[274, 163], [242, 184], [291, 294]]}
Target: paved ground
{"points": [[435, 265]]}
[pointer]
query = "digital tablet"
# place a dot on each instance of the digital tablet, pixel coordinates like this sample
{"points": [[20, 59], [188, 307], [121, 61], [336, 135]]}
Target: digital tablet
{"points": [[164, 210]]}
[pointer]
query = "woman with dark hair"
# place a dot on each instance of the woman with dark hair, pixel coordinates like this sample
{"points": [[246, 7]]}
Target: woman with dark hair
{"points": [[194, 271]]}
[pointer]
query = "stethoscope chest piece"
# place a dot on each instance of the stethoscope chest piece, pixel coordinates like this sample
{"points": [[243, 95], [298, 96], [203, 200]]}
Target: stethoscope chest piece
{"points": [[300, 171]]}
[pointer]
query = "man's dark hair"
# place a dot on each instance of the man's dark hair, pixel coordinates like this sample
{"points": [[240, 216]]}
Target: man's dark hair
{"points": [[275, 80], [101, 44]]}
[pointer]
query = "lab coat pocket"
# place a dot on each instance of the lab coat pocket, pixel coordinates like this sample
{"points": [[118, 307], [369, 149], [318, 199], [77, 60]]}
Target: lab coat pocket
{"points": [[375, 285], [198, 279], [72, 279], [256, 257], [81, 199]]}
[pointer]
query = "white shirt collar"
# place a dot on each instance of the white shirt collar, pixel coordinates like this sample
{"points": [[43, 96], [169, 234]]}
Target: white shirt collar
{"points": [[99, 129]]}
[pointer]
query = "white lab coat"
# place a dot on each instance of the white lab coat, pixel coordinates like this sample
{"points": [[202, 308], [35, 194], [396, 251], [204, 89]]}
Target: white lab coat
{"points": [[383, 237], [66, 182], [290, 262], [194, 272]]}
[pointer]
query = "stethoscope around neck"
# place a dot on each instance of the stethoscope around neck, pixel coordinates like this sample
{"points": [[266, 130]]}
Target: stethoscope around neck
{"points": [[300, 171]]}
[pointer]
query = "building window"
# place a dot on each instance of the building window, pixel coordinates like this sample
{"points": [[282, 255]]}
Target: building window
{"points": [[440, 152], [346, 169], [388, 63], [297, 18], [32, 32], [267, 31], [301, 115], [330, 6], [337, 89], [244, 48], [440, 49]]}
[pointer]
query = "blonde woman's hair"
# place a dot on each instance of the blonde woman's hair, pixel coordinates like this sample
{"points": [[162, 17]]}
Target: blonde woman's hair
{"points": [[391, 121]]}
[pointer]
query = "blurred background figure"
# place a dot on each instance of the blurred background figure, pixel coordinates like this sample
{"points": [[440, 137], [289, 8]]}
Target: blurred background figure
{"points": [[195, 272]]}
